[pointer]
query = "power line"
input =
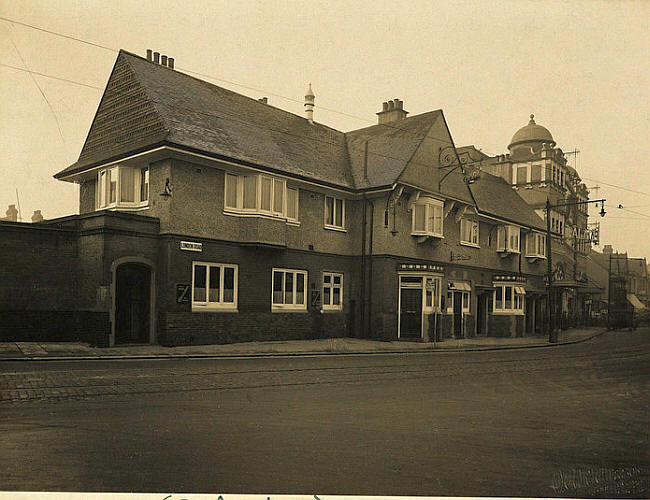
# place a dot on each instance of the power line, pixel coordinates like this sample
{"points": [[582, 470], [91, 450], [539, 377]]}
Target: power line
{"points": [[617, 187], [51, 76]]}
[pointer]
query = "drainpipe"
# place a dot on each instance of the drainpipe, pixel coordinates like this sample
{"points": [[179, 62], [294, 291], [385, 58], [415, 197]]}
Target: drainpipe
{"points": [[363, 270], [372, 224]]}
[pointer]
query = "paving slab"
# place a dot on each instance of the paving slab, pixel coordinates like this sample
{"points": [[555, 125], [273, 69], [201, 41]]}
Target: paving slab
{"points": [[78, 350]]}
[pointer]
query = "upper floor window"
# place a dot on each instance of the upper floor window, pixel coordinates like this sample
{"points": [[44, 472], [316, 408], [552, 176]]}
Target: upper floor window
{"points": [[469, 232], [509, 299], [536, 245], [289, 290], [214, 286], [332, 291], [426, 217], [508, 239], [334, 212], [261, 194], [122, 187]]}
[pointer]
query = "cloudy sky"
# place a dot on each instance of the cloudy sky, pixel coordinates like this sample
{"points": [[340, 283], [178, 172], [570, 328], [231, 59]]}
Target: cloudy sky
{"points": [[582, 67]]}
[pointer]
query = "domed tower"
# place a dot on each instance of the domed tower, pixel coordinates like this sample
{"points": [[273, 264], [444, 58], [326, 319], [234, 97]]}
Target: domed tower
{"points": [[530, 139]]}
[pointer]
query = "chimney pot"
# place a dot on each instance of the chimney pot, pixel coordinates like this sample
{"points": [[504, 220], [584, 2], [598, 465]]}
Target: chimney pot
{"points": [[384, 106], [12, 213], [149, 55], [396, 101], [391, 105], [156, 57], [37, 217], [264, 100], [170, 62], [163, 60]]}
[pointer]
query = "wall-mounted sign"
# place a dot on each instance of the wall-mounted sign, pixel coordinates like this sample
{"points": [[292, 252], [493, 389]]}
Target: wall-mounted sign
{"points": [[419, 267], [191, 246], [182, 294], [509, 277]]}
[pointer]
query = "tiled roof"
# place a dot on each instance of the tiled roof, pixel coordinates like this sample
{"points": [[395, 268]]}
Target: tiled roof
{"points": [[147, 104], [390, 147], [495, 197]]}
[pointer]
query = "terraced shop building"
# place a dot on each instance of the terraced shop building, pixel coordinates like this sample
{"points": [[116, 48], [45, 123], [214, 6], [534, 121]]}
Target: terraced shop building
{"points": [[206, 216]]}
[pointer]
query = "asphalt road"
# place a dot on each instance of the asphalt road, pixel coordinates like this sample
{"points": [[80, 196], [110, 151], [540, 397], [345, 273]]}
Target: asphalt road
{"points": [[569, 421]]}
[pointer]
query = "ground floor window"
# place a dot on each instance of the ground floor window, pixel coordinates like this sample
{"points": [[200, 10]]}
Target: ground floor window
{"points": [[509, 299], [214, 286], [289, 290], [332, 291]]}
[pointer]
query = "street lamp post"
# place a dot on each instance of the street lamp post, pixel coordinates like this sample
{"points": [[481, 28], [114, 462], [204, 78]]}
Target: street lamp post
{"points": [[552, 337]]}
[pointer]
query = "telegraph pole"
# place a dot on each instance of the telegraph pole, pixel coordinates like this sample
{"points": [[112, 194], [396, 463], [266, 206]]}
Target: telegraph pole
{"points": [[549, 282]]}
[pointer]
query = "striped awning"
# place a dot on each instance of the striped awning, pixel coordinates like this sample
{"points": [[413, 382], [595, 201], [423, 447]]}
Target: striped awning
{"points": [[634, 300]]}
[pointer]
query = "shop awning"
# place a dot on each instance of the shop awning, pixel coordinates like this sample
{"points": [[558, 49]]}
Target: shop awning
{"points": [[520, 289], [459, 285], [634, 300]]}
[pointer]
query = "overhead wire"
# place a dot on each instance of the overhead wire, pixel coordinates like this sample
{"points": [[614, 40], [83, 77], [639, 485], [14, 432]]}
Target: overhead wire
{"points": [[105, 47]]}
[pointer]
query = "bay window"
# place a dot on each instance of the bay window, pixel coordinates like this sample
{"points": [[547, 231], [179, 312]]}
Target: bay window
{"points": [[214, 286], [332, 291], [536, 245], [508, 239], [469, 232], [260, 195], [426, 217], [508, 299], [288, 290], [122, 187]]}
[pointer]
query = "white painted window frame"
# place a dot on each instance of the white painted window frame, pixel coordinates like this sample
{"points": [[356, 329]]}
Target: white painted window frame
{"points": [[272, 212], [207, 305], [331, 286], [335, 211], [293, 307], [473, 232], [429, 204], [102, 188], [517, 297]]}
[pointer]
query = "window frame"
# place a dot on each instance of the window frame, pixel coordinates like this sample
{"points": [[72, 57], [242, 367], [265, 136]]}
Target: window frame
{"points": [[474, 224], [220, 305], [332, 286], [108, 176], [293, 307], [429, 204], [516, 298], [534, 242], [506, 230], [335, 213], [272, 211]]}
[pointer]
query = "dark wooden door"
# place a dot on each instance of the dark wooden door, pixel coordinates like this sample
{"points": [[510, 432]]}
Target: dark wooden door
{"points": [[411, 313], [132, 303], [458, 314]]}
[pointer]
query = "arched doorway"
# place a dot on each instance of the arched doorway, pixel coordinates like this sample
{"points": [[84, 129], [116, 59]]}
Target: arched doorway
{"points": [[132, 313]]}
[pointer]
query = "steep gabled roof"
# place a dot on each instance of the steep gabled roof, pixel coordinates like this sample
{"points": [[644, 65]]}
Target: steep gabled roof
{"points": [[147, 104], [495, 197], [160, 104], [390, 147]]}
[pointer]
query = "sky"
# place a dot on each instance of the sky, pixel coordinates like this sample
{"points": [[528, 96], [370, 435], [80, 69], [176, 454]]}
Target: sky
{"points": [[582, 67]]}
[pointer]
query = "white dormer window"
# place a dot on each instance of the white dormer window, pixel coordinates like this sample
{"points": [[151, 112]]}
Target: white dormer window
{"points": [[536, 245], [426, 217], [122, 187], [469, 232], [508, 239]]}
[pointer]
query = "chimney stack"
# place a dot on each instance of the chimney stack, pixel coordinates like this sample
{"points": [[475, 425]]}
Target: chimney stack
{"points": [[392, 111], [149, 55], [309, 104], [37, 217], [170, 63], [163, 60], [607, 249], [156, 57], [264, 100]]}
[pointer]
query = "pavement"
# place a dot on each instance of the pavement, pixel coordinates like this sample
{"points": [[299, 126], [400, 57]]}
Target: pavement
{"points": [[39, 351]]}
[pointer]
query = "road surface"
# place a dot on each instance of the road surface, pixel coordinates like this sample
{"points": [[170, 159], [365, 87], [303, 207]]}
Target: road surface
{"points": [[564, 421]]}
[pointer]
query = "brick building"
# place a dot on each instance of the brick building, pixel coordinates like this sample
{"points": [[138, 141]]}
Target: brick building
{"points": [[207, 217]]}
